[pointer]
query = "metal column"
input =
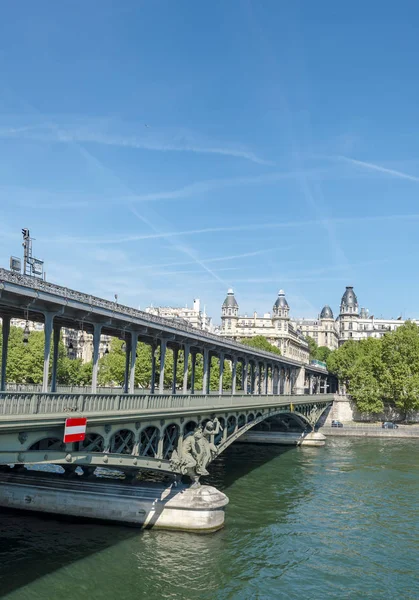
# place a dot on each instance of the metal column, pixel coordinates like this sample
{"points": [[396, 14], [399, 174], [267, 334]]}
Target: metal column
{"points": [[4, 351], [49, 320], [186, 351], [163, 346], [55, 348], [175, 357], [97, 328], [245, 375], [234, 376], [205, 378], [220, 381], [134, 342], [153, 369]]}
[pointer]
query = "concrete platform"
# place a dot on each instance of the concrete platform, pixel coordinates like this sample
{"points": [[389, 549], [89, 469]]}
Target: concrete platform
{"points": [[314, 438], [143, 504]]}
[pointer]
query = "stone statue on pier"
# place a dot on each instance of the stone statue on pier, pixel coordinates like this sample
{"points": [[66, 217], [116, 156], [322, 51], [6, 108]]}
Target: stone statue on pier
{"points": [[196, 452]]}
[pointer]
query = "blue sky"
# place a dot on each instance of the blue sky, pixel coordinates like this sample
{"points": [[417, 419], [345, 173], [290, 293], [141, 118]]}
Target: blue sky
{"points": [[168, 150]]}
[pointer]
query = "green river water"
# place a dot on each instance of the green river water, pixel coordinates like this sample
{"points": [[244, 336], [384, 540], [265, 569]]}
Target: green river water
{"points": [[303, 523]]}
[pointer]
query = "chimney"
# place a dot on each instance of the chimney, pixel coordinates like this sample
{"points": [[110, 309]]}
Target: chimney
{"points": [[196, 305]]}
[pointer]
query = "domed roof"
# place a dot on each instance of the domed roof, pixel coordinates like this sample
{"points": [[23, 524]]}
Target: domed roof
{"points": [[281, 301], [349, 297], [230, 301], [326, 312]]}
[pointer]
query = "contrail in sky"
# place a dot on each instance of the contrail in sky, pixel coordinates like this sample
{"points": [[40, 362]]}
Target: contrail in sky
{"points": [[374, 167]]}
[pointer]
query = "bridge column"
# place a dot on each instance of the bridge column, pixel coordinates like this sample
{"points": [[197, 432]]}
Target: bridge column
{"points": [[4, 351], [153, 369], [127, 363], [134, 342], [259, 378], [163, 347], [175, 357], [205, 378], [193, 362], [234, 376], [310, 384], [220, 381], [55, 348], [266, 367], [97, 329], [49, 320], [245, 375], [287, 382], [186, 351], [272, 380], [275, 379]]}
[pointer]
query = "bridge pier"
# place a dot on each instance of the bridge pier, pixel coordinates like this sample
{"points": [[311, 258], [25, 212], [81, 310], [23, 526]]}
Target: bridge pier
{"points": [[186, 352], [143, 504], [134, 343], [221, 375], [4, 350]]}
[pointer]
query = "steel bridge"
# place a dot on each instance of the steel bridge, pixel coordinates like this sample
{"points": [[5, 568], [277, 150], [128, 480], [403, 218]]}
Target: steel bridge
{"points": [[132, 432]]}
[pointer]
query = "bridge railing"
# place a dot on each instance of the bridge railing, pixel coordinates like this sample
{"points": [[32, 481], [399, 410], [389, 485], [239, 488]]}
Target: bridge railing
{"points": [[43, 404]]}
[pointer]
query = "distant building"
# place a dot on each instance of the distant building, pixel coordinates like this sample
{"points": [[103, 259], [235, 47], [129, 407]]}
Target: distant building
{"points": [[357, 324], [191, 316], [323, 330], [277, 328]]}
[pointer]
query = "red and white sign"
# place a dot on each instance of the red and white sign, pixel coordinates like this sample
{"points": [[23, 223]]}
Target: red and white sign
{"points": [[75, 430]]}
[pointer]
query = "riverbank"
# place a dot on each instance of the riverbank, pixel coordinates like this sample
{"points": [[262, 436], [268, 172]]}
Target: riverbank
{"points": [[370, 430]]}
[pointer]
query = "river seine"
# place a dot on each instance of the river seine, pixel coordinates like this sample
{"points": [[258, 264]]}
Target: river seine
{"points": [[306, 523]]}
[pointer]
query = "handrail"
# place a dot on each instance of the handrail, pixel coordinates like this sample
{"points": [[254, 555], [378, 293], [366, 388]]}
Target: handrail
{"points": [[52, 403]]}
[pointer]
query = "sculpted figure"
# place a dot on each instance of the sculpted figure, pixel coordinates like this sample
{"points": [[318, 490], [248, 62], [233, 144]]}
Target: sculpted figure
{"points": [[196, 452]]}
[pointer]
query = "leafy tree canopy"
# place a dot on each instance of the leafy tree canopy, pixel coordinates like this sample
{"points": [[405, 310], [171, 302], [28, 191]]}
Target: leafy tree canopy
{"points": [[261, 343]]}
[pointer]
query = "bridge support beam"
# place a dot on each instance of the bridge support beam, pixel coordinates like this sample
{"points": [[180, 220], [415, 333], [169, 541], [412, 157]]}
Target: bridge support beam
{"points": [[186, 352], [205, 378], [153, 369], [266, 368], [193, 367], [220, 381], [163, 347], [245, 376], [134, 343], [55, 347], [4, 351], [175, 357], [234, 376], [49, 320], [97, 328]]}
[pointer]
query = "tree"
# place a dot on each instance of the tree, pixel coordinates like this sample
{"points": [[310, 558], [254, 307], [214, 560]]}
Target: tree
{"points": [[360, 367], [400, 381], [312, 347], [261, 343], [323, 352]]}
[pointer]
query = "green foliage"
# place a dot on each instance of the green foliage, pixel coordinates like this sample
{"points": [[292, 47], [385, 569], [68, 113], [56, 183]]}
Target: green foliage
{"points": [[261, 343], [381, 371], [312, 347], [323, 353], [400, 353]]}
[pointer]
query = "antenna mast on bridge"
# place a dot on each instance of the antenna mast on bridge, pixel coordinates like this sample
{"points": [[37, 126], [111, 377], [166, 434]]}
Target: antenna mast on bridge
{"points": [[31, 266]]}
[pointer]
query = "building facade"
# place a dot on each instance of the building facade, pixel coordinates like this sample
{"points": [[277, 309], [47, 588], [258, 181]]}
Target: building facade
{"points": [[324, 330], [356, 324], [191, 316], [277, 327]]}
